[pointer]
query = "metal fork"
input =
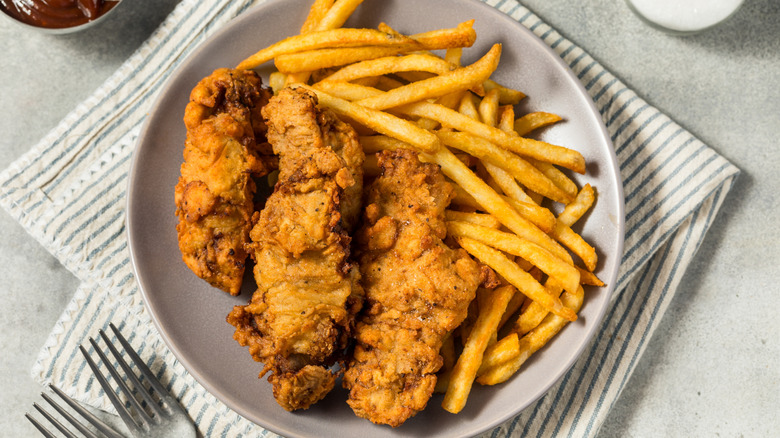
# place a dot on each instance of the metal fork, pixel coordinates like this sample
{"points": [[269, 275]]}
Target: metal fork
{"points": [[161, 417], [91, 418]]}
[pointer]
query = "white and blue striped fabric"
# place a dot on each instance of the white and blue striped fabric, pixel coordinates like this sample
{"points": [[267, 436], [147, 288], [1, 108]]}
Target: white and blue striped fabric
{"points": [[69, 192]]}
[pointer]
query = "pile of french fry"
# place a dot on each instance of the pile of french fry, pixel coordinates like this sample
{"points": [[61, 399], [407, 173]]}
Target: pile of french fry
{"points": [[399, 94]]}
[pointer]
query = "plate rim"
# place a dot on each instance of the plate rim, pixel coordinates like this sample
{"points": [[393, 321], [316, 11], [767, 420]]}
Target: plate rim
{"points": [[249, 16]]}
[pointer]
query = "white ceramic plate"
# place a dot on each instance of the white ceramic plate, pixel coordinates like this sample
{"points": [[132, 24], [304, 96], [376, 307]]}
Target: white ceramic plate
{"points": [[190, 315]]}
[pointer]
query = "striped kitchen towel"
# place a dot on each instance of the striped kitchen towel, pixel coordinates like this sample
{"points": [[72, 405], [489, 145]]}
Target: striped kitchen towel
{"points": [[68, 191]]}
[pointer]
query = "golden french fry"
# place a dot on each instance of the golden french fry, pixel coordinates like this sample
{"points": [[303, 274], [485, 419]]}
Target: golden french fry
{"points": [[427, 124], [346, 90], [570, 239], [589, 278], [485, 175], [464, 199], [462, 376], [492, 202], [453, 55], [376, 143], [384, 27], [437, 86], [506, 182], [317, 11], [506, 349], [558, 178], [542, 151], [325, 58], [506, 96], [467, 106], [451, 100], [506, 119], [332, 38], [503, 178], [523, 171], [563, 233], [539, 216], [296, 78], [481, 219], [536, 120], [337, 14], [514, 304], [381, 122], [534, 314], [517, 277], [527, 174], [461, 36], [455, 38], [581, 204], [479, 89], [277, 80], [493, 338], [392, 64], [532, 342], [488, 108], [567, 275]]}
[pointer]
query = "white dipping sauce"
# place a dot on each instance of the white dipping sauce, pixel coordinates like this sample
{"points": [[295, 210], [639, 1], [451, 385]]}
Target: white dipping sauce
{"points": [[685, 15]]}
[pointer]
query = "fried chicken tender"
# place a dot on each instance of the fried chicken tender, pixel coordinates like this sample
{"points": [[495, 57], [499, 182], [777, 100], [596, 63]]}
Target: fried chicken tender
{"points": [[417, 290], [225, 147], [300, 320]]}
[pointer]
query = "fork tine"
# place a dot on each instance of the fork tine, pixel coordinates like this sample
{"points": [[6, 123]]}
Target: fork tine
{"points": [[45, 432], [76, 423], [118, 405], [54, 421], [95, 421], [145, 419], [161, 391], [131, 375]]}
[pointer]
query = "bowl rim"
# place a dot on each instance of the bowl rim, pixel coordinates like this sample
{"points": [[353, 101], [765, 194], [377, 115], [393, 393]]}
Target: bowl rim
{"points": [[60, 30]]}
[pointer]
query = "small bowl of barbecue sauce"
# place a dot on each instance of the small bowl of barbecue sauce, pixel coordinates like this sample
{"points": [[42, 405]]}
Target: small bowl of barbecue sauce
{"points": [[58, 16]]}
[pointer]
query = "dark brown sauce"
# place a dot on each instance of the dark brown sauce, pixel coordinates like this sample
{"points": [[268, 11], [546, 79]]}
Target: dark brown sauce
{"points": [[56, 14]]}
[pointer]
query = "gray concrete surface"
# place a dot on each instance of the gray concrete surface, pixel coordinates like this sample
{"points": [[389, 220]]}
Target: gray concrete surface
{"points": [[712, 367]]}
